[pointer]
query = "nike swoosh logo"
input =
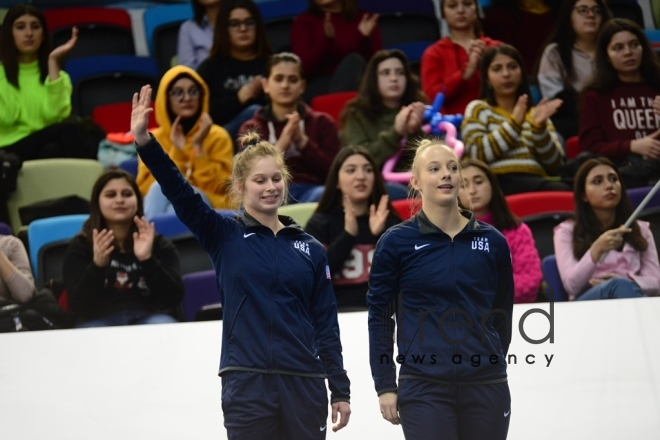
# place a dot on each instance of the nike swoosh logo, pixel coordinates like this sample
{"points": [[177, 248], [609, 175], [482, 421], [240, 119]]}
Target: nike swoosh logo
{"points": [[506, 414], [322, 428], [247, 235], [418, 247]]}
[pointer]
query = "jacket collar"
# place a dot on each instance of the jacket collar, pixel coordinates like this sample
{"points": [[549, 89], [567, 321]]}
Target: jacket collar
{"points": [[426, 227], [288, 222]]}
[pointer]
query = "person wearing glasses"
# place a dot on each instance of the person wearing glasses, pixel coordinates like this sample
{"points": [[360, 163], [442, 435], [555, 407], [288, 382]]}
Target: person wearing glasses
{"points": [[201, 150], [567, 64], [234, 68]]}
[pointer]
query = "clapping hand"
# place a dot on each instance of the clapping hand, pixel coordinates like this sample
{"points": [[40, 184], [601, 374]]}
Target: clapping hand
{"points": [[143, 238], [350, 218], [102, 246], [61, 51], [378, 216], [205, 124], [520, 109], [140, 115], [367, 24], [545, 109], [176, 134]]}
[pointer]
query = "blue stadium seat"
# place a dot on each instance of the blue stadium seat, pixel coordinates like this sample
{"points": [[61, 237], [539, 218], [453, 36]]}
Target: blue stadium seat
{"points": [[161, 25], [556, 290]]}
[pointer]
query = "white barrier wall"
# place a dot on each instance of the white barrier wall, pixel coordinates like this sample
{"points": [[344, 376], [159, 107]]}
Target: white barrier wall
{"points": [[160, 382]]}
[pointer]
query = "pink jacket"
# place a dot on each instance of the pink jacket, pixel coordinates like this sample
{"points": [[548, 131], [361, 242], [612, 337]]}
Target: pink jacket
{"points": [[527, 275], [640, 267]]}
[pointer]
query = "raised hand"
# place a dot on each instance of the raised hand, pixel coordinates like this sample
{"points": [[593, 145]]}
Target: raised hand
{"points": [[378, 216], [205, 124], [388, 407], [343, 410], [176, 134], [520, 109], [350, 219], [61, 51], [140, 115], [328, 28], [475, 53], [56, 55], [546, 109], [143, 238], [102, 246], [648, 146], [367, 24], [288, 132]]}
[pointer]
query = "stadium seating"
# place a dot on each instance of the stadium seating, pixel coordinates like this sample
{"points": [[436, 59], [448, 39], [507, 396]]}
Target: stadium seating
{"points": [[161, 25], [555, 290], [101, 31]]}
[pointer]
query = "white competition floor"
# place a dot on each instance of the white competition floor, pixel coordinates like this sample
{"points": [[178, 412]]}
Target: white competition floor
{"points": [[160, 382]]}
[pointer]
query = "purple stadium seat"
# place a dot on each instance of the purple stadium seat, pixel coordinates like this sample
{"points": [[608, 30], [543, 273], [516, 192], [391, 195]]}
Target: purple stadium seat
{"points": [[200, 290]]}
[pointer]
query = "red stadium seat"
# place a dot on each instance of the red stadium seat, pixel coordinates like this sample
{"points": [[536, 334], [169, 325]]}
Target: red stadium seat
{"points": [[332, 103], [406, 208], [572, 147], [116, 118], [541, 202]]}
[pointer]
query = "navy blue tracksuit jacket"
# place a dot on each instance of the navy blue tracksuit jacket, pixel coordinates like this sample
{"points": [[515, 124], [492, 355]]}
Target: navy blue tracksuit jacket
{"points": [[452, 299], [279, 310]]}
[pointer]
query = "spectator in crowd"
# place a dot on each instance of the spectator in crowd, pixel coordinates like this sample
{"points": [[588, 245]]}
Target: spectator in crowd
{"points": [[308, 139], [567, 64], [518, 143], [388, 108], [452, 64], [352, 214], [618, 118], [598, 257], [16, 280], [117, 270], [234, 69], [334, 38], [196, 35], [200, 149], [524, 24], [482, 195], [35, 95]]}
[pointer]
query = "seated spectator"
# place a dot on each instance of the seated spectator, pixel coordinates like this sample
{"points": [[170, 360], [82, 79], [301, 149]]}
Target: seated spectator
{"points": [[237, 61], [482, 195], [518, 143], [452, 63], [196, 35], [201, 150], [35, 95], [117, 270], [334, 38], [307, 138], [352, 214], [597, 256], [618, 120], [17, 284], [567, 64], [388, 108], [524, 24]]}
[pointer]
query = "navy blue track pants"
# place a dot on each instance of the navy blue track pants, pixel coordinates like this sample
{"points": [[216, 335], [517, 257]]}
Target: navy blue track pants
{"points": [[258, 406], [430, 410]]}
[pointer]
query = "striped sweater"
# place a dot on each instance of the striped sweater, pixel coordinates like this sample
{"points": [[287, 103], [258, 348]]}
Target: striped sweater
{"points": [[492, 135]]}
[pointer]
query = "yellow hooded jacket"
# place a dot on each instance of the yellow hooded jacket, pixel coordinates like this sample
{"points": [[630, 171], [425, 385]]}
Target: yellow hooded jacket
{"points": [[207, 171]]}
